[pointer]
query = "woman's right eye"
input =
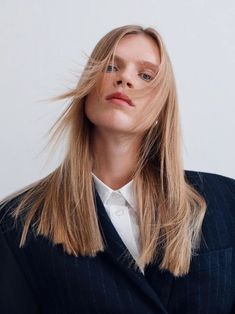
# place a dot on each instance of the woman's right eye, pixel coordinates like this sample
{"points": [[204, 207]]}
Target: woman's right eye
{"points": [[111, 68]]}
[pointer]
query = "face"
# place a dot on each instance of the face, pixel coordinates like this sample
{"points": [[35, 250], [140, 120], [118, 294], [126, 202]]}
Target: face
{"points": [[115, 104]]}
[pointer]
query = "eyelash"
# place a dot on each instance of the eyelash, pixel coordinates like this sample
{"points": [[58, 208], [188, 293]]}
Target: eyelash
{"points": [[149, 79]]}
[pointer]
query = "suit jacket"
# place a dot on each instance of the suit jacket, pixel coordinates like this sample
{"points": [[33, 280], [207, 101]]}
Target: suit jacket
{"points": [[42, 278]]}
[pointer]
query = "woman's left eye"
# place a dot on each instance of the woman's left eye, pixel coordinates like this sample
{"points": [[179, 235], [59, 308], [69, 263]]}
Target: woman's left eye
{"points": [[111, 68], [146, 76]]}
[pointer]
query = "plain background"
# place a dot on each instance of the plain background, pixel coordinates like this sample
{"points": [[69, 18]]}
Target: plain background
{"points": [[42, 50]]}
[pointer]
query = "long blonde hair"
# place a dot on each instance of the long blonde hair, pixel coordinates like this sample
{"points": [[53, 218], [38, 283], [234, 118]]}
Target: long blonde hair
{"points": [[61, 206]]}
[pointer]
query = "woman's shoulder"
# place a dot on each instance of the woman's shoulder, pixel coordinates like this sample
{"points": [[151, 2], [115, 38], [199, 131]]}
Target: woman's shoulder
{"points": [[7, 208], [215, 180], [218, 190], [195, 173], [219, 222]]}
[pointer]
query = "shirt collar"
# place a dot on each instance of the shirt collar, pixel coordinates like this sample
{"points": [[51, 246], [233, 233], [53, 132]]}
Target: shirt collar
{"points": [[105, 191]]}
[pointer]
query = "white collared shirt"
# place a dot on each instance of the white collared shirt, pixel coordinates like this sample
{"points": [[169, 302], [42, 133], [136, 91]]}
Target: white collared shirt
{"points": [[120, 207]]}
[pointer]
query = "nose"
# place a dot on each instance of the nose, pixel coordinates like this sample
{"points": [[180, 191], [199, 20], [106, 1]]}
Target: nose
{"points": [[124, 79]]}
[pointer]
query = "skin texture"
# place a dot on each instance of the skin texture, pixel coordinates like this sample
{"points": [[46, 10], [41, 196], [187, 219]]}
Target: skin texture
{"points": [[114, 144]]}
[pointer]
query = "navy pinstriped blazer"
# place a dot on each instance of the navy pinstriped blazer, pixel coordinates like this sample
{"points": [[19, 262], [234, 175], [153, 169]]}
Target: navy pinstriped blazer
{"points": [[41, 278]]}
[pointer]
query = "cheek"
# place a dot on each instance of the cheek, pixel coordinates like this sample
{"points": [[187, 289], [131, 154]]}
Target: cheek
{"points": [[147, 114], [91, 106]]}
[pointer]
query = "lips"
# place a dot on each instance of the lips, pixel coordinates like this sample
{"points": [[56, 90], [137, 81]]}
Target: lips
{"points": [[120, 96]]}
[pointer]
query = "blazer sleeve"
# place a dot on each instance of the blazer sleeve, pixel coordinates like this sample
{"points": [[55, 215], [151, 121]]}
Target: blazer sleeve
{"points": [[15, 294]]}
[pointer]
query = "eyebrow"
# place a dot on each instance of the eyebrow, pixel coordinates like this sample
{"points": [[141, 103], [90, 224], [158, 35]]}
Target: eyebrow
{"points": [[149, 64]]}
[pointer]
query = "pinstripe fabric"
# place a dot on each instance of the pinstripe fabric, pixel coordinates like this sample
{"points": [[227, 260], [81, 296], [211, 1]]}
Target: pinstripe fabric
{"points": [[42, 278]]}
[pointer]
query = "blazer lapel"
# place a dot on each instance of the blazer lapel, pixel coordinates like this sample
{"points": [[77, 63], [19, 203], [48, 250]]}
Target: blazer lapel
{"points": [[117, 251]]}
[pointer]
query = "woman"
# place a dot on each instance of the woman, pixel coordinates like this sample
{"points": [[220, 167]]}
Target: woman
{"points": [[119, 226]]}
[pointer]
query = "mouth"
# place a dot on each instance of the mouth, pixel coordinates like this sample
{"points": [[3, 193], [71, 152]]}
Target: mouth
{"points": [[120, 99]]}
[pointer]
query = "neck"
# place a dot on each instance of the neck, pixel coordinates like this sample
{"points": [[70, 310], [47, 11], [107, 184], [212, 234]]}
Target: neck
{"points": [[115, 159]]}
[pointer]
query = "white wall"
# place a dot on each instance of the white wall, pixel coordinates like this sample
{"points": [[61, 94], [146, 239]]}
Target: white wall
{"points": [[42, 45]]}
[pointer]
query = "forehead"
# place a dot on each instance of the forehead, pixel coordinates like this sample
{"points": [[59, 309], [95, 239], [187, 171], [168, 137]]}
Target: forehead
{"points": [[138, 47]]}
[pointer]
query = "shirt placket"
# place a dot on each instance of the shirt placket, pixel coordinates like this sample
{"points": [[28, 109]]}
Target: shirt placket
{"points": [[118, 212]]}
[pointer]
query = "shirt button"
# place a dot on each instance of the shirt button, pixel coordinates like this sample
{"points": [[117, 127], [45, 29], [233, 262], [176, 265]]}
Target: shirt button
{"points": [[120, 212]]}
